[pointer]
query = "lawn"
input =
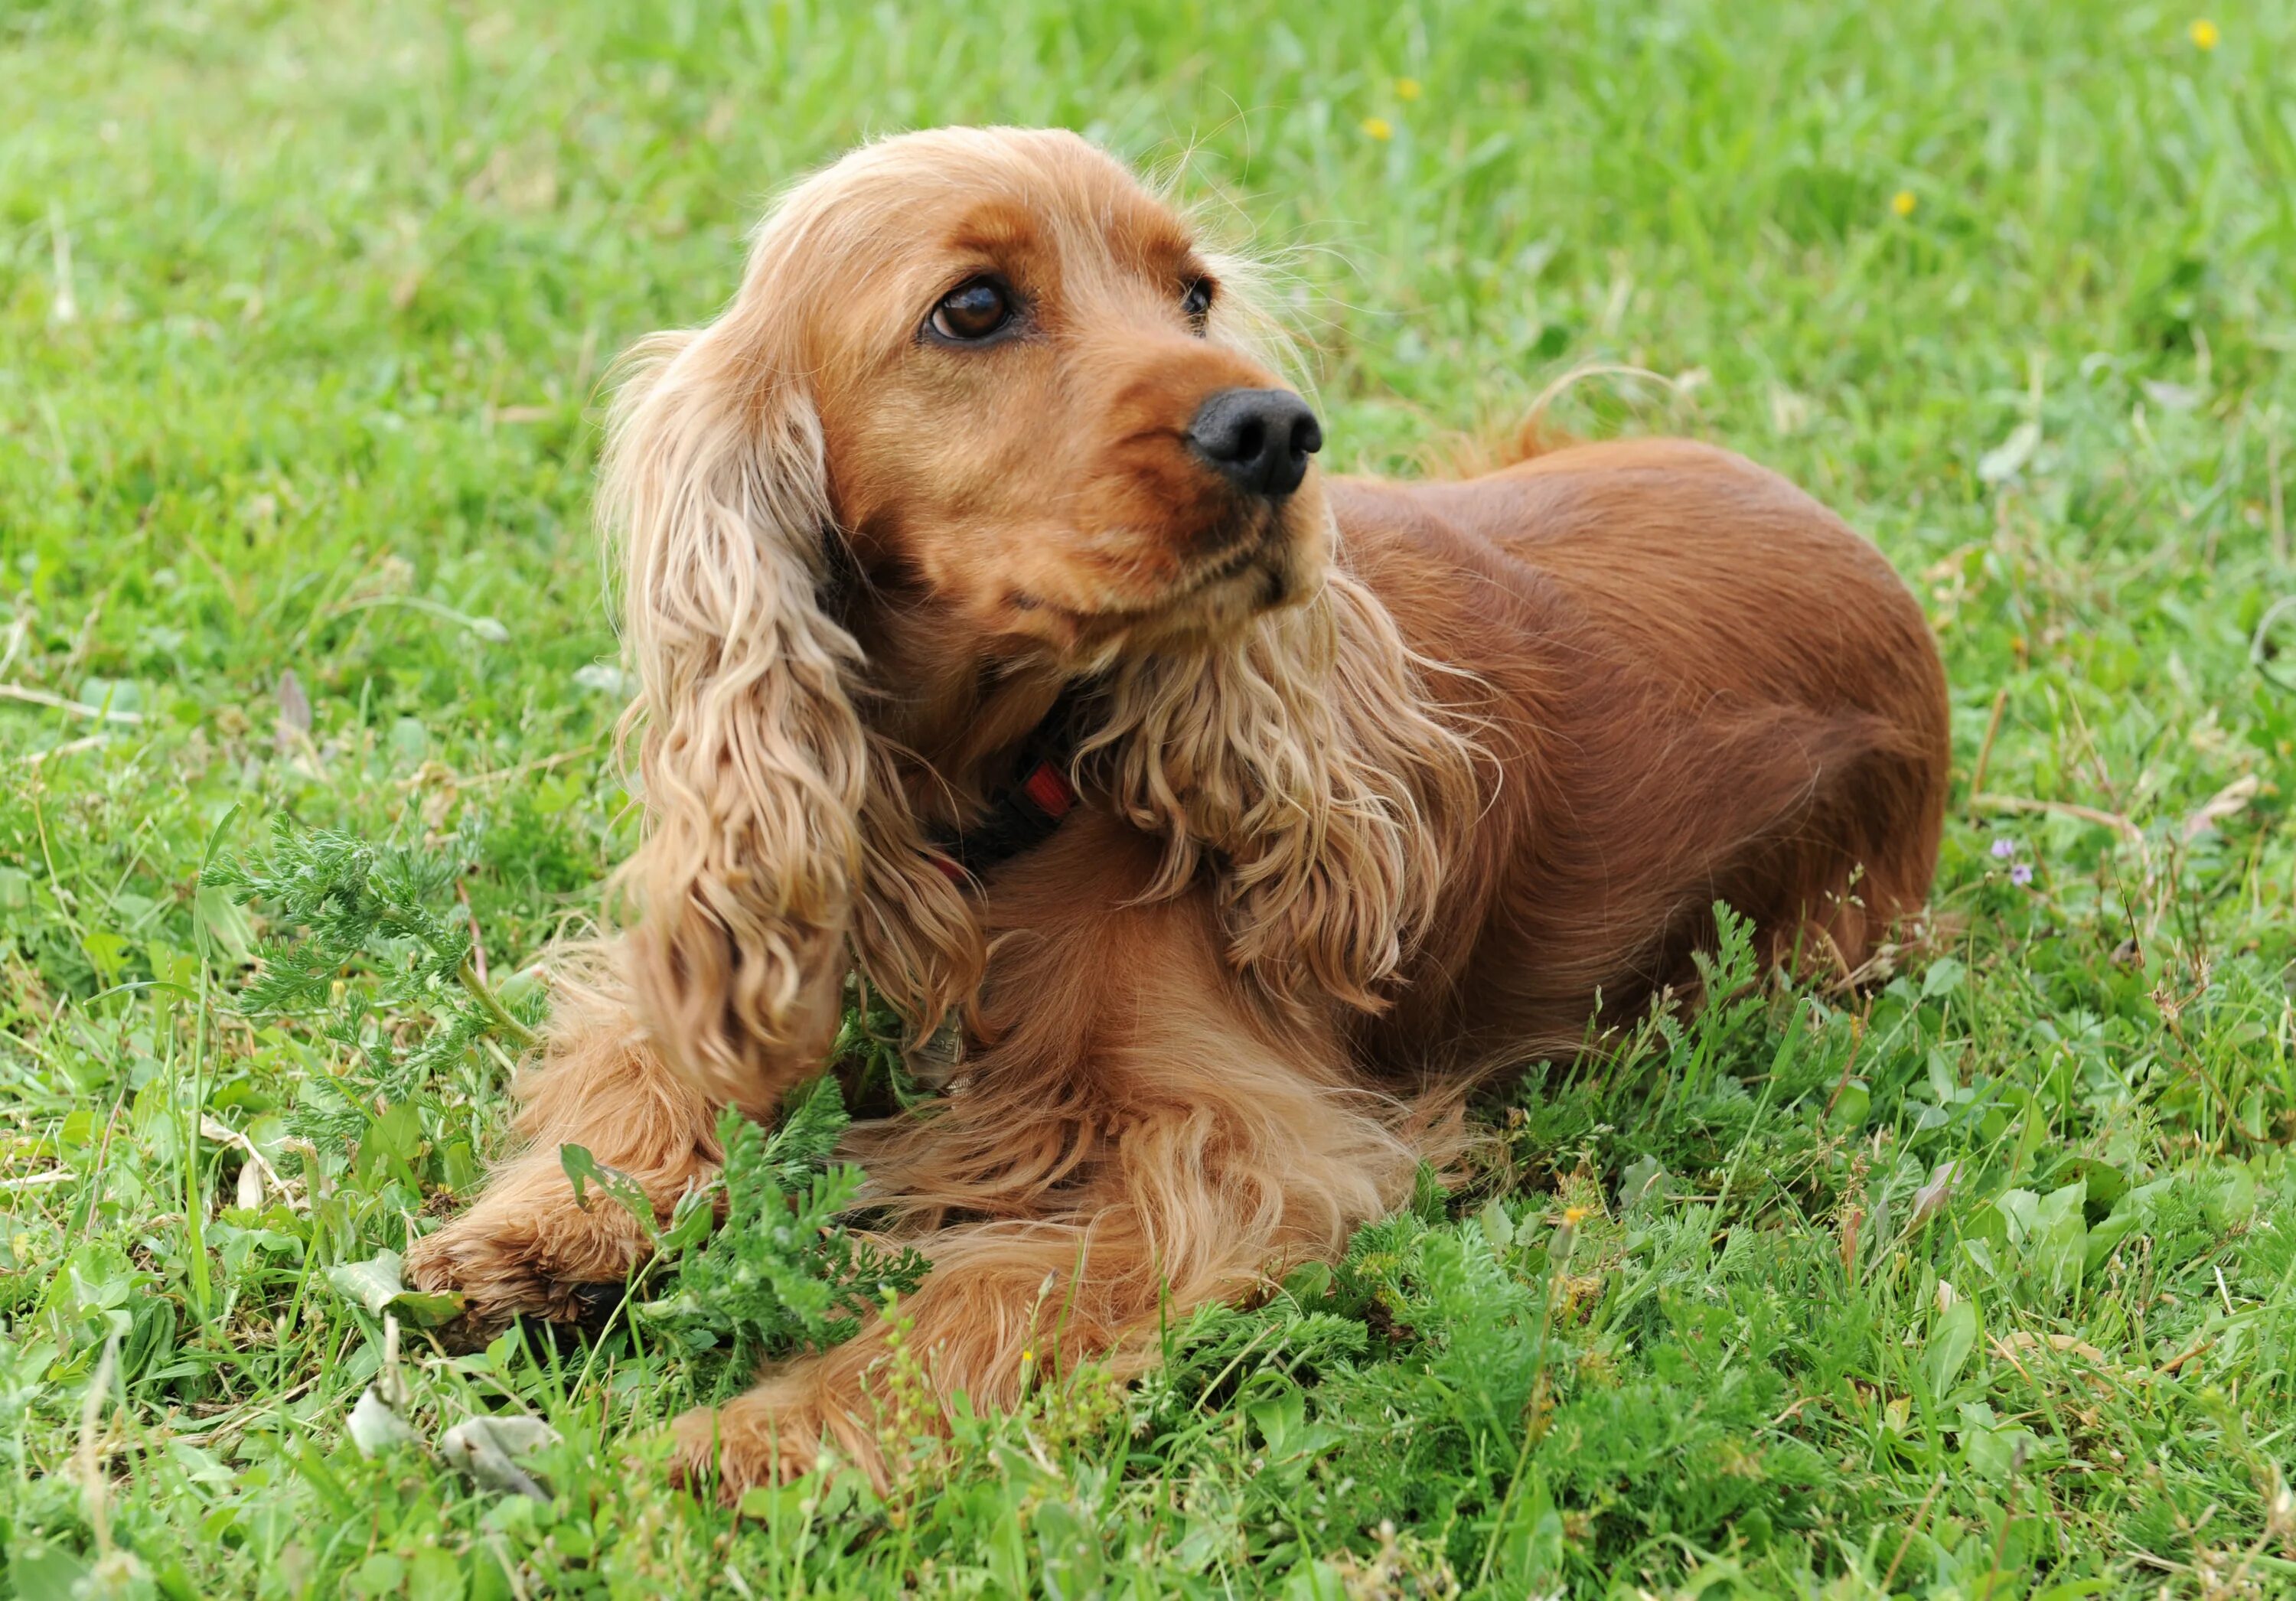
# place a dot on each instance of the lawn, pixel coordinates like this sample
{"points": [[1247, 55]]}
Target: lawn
{"points": [[1981, 1284]]}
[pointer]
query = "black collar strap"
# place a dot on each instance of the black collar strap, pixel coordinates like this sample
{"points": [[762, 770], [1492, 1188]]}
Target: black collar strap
{"points": [[1021, 816], [1019, 819]]}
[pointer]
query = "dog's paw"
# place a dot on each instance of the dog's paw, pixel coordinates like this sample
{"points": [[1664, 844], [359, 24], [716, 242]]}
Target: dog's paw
{"points": [[529, 1256], [778, 1431]]}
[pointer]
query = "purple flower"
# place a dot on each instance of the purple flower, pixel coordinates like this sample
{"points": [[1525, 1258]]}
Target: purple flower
{"points": [[2021, 874], [2004, 848]]}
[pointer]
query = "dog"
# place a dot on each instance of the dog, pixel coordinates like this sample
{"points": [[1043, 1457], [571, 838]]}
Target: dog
{"points": [[1003, 644]]}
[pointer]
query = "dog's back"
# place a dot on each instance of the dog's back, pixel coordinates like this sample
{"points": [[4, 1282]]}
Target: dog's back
{"points": [[1699, 685]]}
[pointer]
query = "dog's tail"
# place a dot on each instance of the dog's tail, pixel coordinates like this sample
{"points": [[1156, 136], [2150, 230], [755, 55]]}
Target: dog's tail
{"points": [[1476, 452], [1535, 435], [1526, 436]]}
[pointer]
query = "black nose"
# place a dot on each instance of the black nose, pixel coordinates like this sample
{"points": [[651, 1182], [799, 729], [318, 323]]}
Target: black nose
{"points": [[1259, 440]]}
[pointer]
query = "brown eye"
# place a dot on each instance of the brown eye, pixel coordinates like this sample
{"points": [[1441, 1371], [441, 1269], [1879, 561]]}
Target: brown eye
{"points": [[971, 312], [1196, 300]]}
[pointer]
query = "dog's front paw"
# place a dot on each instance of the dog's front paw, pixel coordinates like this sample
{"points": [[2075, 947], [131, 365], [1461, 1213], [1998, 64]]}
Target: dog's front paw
{"points": [[526, 1249]]}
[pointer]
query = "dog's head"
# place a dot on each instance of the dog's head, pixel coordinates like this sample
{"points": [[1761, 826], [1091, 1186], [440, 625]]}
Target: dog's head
{"points": [[1037, 412], [987, 407], [1035, 407]]}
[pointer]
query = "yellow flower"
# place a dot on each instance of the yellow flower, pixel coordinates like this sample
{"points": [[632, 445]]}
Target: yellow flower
{"points": [[1902, 202], [1574, 1215], [1027, 1357], [1379, 128], [1406, 89], [2204, 33]]}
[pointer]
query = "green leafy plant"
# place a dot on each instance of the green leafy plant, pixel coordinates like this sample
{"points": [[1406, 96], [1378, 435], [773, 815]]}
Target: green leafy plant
{"points": [[784, 1270], [366, 911]]}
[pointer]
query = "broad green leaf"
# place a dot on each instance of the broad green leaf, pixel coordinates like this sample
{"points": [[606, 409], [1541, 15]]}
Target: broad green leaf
{"points": [[2231, 1195], [224, 928], [1641, 1187], [376, 1284], [1851, 1107], [1498, 1229], [584, 1169], [372, 1283], [1952, 1338], [2048, 1239]]}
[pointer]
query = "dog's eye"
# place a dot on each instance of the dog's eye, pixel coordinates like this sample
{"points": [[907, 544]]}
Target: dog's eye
{"points": [[971, 312], [1196, 300]]}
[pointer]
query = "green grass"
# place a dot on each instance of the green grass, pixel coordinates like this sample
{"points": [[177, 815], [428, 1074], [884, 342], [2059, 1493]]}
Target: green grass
{"points": [[303, 312]]}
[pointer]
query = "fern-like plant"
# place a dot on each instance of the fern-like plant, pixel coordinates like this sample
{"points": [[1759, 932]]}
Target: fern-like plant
{"points": [[368, 939], [784, 1270]]}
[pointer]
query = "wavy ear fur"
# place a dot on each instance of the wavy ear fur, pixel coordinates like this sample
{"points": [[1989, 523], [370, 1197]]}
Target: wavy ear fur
{"points": [[1304, 762], [778, 844]]}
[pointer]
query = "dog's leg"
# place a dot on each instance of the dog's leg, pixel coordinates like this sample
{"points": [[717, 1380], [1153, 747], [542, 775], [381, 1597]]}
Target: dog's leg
{"points": [[526, 1247], [1143, 1138]]}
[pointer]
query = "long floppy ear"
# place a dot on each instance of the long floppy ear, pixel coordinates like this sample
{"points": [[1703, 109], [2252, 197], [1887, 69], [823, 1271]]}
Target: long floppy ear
{"points": [[752, 759], [1305, 762], [780, 848]]}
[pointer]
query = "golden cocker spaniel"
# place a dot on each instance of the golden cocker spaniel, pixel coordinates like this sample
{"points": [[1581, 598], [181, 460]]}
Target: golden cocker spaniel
{"points": [[1001, 642]]}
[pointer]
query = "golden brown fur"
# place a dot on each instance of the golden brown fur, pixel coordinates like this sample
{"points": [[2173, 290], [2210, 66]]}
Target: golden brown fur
{"points": [[1386, 786]]}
